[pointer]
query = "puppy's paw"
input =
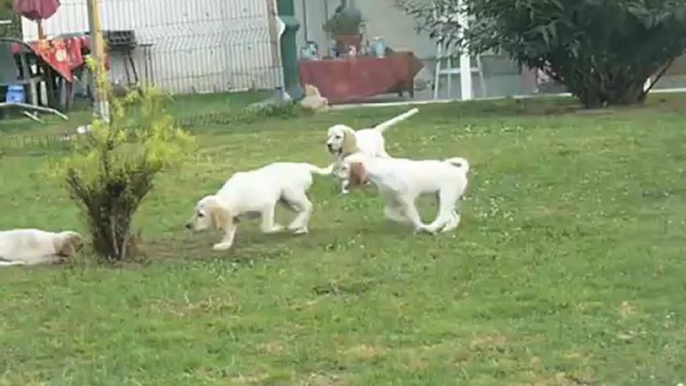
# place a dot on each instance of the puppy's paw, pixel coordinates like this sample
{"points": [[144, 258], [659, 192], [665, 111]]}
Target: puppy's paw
{"points": [[275, 229], [4, 263], [424, 229], [221, 246], [449, 228], [300, 231]]}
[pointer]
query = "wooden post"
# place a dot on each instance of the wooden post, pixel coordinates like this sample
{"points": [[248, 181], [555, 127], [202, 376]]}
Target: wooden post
{"points": [[465, 57], [98, 74], [275, 30]]}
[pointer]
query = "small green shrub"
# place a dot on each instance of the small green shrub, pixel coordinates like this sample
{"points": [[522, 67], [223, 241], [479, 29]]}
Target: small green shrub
{"points": [[112, 168]]}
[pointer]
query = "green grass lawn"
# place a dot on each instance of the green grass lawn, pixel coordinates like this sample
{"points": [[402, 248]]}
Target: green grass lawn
{"points": [[568, 268]]}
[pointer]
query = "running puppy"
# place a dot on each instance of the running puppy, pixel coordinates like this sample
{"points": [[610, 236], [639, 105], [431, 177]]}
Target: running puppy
{"points": [[343, 140], [257, 192], [400, 181]]}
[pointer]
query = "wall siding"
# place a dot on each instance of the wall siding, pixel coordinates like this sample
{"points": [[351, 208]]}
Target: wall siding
{"points": [[199, 46]]}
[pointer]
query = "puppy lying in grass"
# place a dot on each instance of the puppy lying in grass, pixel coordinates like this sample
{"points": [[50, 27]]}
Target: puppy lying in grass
{"points": [[34, 246], [257, 192]]}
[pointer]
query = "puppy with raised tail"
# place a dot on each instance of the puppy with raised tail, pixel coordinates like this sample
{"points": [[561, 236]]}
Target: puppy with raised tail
{"points": [[343, 140], [35, 246], [256, 193], [401, 181]]}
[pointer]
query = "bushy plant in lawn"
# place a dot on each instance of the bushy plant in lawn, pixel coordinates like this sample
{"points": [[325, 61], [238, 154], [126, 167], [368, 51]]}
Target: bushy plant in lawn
{"points": [[603, 51], [112, 167]]}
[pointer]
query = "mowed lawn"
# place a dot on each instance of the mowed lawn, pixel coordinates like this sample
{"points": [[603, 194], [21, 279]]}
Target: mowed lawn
{"points": [[568, 268]]}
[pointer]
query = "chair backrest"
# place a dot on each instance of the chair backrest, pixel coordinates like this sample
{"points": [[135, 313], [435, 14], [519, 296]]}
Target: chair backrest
{"points": [[20, 52], [9, 68]]}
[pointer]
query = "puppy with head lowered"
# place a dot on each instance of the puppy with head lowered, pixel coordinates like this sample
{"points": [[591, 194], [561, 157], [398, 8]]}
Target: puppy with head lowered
{"points": [[256, 193], [401, 181]]}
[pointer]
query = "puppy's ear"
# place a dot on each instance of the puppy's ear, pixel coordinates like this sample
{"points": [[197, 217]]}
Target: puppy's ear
{"points": [[358, 174], [349, 141], [68, 244], [220, 216]]}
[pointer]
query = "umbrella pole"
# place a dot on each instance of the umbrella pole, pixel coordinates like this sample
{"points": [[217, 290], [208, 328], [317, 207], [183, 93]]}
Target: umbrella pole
{"points": [[41, 33]]}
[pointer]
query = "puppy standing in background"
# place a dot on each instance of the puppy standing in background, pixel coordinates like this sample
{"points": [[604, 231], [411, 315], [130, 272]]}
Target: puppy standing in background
{"points": [[401, 181], [257, 192], [34, 246], [343, 141]]}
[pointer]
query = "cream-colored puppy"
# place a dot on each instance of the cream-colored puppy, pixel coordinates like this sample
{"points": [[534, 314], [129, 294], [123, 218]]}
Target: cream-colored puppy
{"points": [[256, 193], [313, 100], [343, 140], [401, 181], [35, 246]]}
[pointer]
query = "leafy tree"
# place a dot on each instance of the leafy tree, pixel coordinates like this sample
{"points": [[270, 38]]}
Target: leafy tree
{"points": [[603, 51]]}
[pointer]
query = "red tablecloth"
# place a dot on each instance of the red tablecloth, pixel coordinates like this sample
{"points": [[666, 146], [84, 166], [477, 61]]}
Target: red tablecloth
{"points": [[344, 80], [64, 55]]}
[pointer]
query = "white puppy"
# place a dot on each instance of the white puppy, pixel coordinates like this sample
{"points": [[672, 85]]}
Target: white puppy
{"points": [[343, 141], [34, 246], [402, 180], [257, 192]]}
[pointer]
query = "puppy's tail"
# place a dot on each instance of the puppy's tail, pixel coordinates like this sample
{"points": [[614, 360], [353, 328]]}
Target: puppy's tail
{"points": [[381, 127], [459, 162], [321, 171]]}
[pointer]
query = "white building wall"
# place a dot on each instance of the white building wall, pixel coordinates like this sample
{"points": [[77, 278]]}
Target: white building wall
{"points": [[384, 19], [381, 18], [312, 14], [198, 46]]}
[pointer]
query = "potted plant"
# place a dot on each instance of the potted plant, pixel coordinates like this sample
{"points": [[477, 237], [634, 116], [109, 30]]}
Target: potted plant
{"points": [[344, 27]]}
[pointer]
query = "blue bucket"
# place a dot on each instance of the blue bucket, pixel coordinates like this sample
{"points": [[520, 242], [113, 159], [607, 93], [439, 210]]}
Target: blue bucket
{"points": [[15, 94]]}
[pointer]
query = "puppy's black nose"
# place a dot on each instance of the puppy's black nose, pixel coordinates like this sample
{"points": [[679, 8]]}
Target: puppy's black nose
{"points": [[187, 226], [329, 146]]}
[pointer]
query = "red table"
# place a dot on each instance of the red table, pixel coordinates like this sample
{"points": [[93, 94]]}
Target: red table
{"points": [[344, 80], [62, 54]]}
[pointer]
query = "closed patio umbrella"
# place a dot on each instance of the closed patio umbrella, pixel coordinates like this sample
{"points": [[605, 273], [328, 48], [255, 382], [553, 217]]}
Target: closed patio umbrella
{"points": [[37, 10]]}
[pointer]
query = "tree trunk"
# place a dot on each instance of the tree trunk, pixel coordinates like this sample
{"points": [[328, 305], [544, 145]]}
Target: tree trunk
{"points": [[613, 87]]}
